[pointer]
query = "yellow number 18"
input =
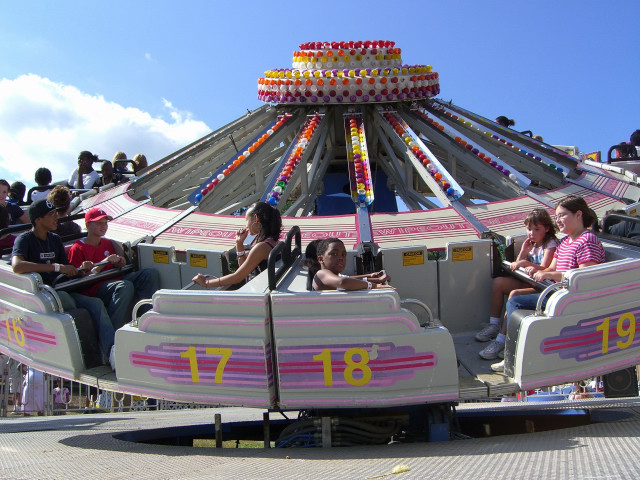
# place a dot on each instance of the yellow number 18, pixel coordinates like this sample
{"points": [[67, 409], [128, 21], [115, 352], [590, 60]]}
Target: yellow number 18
{"points": [[352, 366]]}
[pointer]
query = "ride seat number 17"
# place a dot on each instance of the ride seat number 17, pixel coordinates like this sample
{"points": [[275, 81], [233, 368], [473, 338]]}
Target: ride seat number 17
{"points": [[193, 362]]}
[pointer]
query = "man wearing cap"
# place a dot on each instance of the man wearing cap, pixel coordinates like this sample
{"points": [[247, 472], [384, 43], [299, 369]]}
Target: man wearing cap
{"points": [[117, 294], [41, 251], [84, 176]]}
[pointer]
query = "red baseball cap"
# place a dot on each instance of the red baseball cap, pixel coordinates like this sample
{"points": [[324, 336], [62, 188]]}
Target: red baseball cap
{"points": [[96, 214]]}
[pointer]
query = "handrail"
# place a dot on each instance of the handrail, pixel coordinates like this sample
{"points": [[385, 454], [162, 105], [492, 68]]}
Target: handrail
{"points": [[288, 254], [415, 301], [37, 188], [91, 279], [520, 275], [272, 275], [136, 307], [609, 219], [15, 228], [621, 146], [545, 292], [53, 293], [27, 226], [294, 233]]}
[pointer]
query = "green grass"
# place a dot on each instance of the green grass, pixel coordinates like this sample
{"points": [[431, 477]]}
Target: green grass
{"points": [[211, 443]]}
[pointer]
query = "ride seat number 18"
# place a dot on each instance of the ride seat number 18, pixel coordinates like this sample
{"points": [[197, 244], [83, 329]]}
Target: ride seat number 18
{"points": [[352, 366]]}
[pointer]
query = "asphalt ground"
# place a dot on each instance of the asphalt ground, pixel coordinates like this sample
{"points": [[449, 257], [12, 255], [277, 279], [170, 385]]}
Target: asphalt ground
{"points": [[84, 447]]}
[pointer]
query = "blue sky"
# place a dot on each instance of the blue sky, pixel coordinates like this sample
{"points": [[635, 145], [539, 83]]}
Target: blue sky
{"points": [[152, 76]]}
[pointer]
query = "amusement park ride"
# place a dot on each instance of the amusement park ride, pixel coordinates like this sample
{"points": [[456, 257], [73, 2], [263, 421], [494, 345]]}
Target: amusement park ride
{"points": [[344, 134]]}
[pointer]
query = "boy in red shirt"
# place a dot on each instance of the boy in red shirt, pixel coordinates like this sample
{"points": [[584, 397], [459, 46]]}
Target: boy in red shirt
{"points": [[117, 293]]}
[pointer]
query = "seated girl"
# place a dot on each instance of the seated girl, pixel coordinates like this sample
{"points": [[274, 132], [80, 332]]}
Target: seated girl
{"points": [[579, 249], [536, 254], [265, 223], [326, 259]]}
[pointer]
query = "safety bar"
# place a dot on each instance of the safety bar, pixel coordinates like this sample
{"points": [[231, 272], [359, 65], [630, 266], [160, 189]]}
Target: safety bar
{"points": [[542, 298], [288, 254], [521, 275], [136, 307], [91, 279], [614, 218], [415, 301], [623, 147], [51, 290], [292, 254]]}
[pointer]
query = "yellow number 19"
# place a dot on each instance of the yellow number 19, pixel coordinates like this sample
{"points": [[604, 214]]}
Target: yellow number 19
{"points": [[629, 331]]}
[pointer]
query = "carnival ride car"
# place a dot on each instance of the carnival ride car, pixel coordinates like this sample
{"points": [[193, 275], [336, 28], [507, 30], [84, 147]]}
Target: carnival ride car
{"points": [[335, 157]]}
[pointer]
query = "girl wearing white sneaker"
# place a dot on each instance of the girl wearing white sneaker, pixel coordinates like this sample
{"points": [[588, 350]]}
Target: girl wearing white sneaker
{"points": [[579, 249], [536, 254]]}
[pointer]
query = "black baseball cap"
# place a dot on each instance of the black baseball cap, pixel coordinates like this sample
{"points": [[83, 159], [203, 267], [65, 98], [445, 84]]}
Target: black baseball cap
{"points": [[40, 208]]}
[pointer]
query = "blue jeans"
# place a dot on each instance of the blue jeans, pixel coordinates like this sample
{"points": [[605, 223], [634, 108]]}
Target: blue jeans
{"points": [[523, 302], [99, 315], [118, 295]]}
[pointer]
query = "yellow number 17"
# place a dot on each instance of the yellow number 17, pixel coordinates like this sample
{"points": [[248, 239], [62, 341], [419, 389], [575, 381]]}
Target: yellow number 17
{"points": [[193, 362]]}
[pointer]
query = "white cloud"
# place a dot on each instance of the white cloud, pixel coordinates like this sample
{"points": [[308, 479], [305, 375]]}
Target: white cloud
{"points": [[43, 123]]}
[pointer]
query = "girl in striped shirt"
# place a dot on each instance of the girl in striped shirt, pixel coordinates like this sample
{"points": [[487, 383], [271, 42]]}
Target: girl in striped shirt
{"points": [[579, 249]]}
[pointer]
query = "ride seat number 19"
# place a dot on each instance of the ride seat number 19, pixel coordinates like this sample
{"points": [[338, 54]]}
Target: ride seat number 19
{"points": [[623, 329]]}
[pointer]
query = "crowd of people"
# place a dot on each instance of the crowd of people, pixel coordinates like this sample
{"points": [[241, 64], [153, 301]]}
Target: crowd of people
{"points": [[41, 249], [15, 199]]}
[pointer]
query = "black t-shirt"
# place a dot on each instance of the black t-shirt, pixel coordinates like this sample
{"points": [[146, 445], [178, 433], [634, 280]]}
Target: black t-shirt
{"points": [[32, 249], [15, 212]]}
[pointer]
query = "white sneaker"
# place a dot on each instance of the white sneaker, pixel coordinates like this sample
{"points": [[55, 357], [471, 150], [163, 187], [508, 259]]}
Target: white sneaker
{"points": [[498, 367], [488, 333], [492, 350], [112, 358]]}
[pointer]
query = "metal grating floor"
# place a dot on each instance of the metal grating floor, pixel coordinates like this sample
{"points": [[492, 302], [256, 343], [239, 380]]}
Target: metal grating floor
{"points": [[82, 446]]}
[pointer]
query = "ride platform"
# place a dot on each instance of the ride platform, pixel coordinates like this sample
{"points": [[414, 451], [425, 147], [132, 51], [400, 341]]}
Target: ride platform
{"points": [[85, 446]]}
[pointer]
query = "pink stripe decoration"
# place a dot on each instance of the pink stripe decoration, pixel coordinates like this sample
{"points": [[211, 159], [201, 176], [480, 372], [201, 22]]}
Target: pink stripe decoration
{"points": [[390, 365], [171, 320], [104, 196], [26, 298], [431, 225], [318, 299], [577, 342], [212, 301], [164, 362], [575, 285], [36, 338], [576, 298], [411, 325]]}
